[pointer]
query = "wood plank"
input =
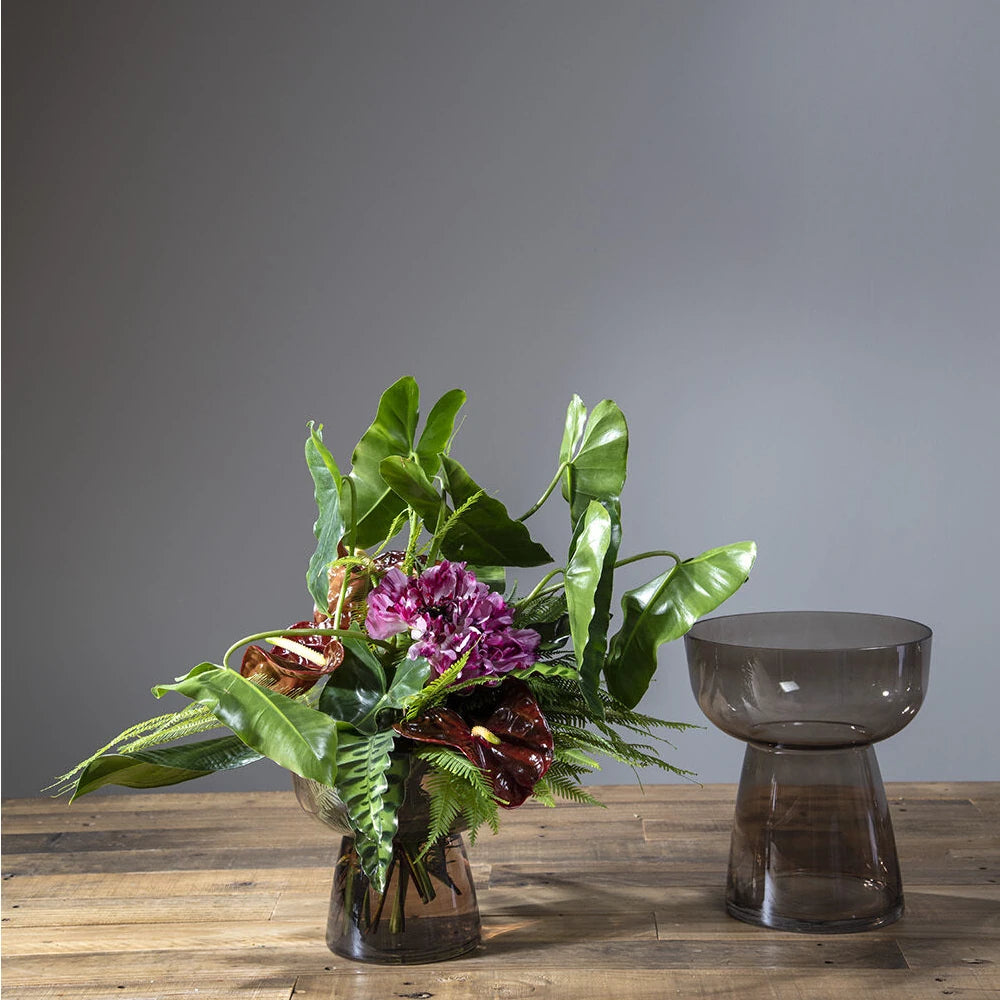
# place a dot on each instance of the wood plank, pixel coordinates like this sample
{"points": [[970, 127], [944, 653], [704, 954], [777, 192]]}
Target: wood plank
{"points": [[210, 989], [641, 984]]}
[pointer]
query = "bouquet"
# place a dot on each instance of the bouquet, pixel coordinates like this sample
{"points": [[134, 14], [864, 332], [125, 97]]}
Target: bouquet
{"points": [[418, 654]]}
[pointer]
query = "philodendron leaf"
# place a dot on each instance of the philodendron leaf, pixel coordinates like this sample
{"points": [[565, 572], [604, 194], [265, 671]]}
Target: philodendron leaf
{"points": [[583, 573], [329, 526], [598, 470], [391, 433], [354, 689], [409, 482], [495, 577], [665, 608], [370, 784], [576, 418], [438, 430], [158, 766], [597, 638], [485, 533], [292, 734]]}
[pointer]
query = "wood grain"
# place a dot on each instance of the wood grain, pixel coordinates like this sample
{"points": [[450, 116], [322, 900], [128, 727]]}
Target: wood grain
{"points": [[222, 895]]}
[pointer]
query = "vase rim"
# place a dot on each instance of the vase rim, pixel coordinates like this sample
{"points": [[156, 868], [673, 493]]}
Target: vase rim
{"points": [[815, 631]]}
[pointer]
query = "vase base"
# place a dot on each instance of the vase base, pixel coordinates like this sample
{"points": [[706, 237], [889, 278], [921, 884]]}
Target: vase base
{"points": [[797, 903], [408, 957]]}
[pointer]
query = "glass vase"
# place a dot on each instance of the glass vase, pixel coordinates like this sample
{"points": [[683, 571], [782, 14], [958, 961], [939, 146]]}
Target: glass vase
{"points": [[428, 911], [810, 692]]}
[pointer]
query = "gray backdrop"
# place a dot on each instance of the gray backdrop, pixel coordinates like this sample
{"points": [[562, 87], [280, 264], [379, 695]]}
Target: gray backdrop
{"points": [[769, 230]]}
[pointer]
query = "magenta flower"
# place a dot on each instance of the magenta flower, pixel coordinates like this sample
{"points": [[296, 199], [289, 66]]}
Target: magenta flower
{"points": [[449, 613]]}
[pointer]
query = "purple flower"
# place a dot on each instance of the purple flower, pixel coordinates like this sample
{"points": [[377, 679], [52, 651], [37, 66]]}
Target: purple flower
{"points": [[448, 613]]}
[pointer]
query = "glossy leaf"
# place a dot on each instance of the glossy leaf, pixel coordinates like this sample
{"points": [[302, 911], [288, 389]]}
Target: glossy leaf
{"points": [[438, 430], [597, 639], [665, 608], [598, 470], [293, 735], [576, 418], [409, 482], [372, 792], [356, 686], [391, 433], [159, 766], [485, 533], [411, 676], [583, 573], [330, 525]]}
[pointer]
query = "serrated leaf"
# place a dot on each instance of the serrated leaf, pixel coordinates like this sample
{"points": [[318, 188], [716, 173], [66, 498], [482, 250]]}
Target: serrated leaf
{"points": [[156, 767], [665, 608], [293, 735], [485, 533], [370, 784]]}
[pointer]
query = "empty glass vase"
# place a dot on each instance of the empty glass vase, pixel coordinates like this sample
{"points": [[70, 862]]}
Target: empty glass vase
{"points": [[810, 692]]}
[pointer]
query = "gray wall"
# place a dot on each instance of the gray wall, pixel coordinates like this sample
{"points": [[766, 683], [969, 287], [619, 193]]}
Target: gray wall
{"points": [[769, 230]]}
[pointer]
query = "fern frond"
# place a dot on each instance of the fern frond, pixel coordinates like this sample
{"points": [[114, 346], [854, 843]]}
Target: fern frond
{"points": [[452, 519], [437, 690], [456, 787]]}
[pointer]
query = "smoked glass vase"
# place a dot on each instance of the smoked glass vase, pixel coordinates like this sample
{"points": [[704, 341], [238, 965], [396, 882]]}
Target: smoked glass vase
{"points": [[810, 692], [428, 910]]}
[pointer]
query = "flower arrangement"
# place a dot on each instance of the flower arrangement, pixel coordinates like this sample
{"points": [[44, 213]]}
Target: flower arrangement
{"points": [[424, 655]]}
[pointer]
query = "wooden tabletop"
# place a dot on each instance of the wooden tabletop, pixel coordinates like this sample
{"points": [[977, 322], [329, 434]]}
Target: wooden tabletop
{"points": [[226, 895]]}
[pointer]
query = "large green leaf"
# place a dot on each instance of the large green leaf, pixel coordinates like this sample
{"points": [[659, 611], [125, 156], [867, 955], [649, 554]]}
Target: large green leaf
{"points": [[410, 483], [597, 639], [370, 784], [391, 433], [158, 766], [576, 417], [438, 430], [329, 526], [485, 533], [665, 608], [583, 573], [495, 577], [292, 734], [354, 689], [598, 470]]}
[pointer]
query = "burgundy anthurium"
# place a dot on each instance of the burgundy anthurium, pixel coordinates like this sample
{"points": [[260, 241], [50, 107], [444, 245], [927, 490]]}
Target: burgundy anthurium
{"points": [[510, 741], [289, 671]]}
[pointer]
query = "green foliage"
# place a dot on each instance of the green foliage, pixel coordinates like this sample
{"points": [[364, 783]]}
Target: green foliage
{"points": [[437, 690], [330, 524], [456, 788], [485, 533], [665, 608], [161, 729], [370, 784], [166, 766], [292, 734], [583, 575]]}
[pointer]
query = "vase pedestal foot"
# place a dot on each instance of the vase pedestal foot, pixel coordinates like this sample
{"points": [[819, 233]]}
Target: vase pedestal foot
{"points": [[427, 913], [812, 846]]}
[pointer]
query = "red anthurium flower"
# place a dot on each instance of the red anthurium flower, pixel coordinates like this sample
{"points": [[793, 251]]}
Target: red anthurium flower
{"points": [[510, 742], [296, 666]]}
